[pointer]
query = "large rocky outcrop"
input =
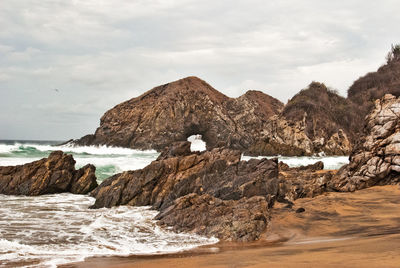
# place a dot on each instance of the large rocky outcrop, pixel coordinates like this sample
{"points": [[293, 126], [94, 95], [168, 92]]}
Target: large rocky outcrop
{"points": [[55, 174], [190, 184], [177, 110], [376, 158], [251, 123]]}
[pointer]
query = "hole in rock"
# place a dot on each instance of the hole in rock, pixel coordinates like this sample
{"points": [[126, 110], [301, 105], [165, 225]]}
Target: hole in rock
{"points": [[197, 144]]}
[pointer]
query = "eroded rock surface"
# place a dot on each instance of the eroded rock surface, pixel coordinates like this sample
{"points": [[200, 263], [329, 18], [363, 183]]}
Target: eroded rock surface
{"points": [[253, 123], [376, 159], [55, 174], [215, 181], [242, 220], [175, 111]]}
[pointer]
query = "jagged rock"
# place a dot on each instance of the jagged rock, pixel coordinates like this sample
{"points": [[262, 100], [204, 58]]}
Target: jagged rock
{"points": [[302, 181], [252, 123], [202, 186], [218, 172], [312, 167], [375, 160], [84, 180], [239, 220], [309, 181], [180, 148], [55, 174]]}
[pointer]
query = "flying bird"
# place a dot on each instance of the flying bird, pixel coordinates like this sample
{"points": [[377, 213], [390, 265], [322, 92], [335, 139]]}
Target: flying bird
{"points": [[56, 90]]}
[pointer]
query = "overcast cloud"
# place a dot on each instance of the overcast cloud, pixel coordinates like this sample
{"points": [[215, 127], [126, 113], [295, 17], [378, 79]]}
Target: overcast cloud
{"points": [[97, 53]]}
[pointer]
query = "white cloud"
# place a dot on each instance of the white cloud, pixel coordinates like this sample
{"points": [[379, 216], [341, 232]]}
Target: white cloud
{"points": [[99, 52]]}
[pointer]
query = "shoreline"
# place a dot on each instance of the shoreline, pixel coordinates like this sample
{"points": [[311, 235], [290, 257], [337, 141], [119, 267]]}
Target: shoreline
{"points": [[337, 229]]}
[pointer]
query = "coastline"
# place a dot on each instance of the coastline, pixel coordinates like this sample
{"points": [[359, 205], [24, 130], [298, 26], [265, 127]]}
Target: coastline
{"points": [[337, 229]]}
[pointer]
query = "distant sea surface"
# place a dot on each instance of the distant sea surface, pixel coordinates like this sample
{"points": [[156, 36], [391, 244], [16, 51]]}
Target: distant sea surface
{"points": [[45, 231]]}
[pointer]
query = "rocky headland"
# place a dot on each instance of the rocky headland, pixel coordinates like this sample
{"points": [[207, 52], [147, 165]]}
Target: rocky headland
{"points": [[254, 123], [55, 174], [313, 121]]}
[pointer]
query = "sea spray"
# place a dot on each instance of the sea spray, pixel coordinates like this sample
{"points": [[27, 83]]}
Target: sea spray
{"points": [[53, 229], [108, 160]]}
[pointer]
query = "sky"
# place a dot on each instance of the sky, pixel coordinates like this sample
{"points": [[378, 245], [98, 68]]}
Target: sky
{"points": [[64, 63]]}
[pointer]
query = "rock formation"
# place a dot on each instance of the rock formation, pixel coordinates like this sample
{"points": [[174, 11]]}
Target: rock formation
{"points": [[303, 181], [314, 120], [189, 184], [376, 158], [177, 110], [242, 220], [325, 115], [55, 174], [252, 123]]}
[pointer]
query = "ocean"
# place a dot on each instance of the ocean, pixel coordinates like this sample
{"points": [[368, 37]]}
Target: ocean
{"points": [[44, 231]]}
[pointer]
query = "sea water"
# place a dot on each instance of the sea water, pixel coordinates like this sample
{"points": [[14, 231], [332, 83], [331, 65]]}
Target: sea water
{"points": [[44, 231]]}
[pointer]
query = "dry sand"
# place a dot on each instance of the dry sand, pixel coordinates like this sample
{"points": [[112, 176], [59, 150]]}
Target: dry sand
{"points": [[360, 229]]}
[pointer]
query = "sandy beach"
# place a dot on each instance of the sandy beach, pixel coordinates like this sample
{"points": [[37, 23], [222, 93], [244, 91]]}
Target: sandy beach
{"points": [[360, 229]]}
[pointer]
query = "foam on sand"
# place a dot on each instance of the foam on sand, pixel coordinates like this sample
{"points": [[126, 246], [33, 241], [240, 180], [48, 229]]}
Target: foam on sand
{"points": [[55, 229]]}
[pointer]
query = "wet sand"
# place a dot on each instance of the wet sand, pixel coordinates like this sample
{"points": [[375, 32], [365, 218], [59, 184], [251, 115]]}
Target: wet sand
{"points": [[360, 229]]}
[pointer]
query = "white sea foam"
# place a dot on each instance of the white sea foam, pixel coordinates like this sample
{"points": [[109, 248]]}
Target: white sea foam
{"points": [[93, 150], [330, 162], [54, 229], [108, 160], [197, 144]]}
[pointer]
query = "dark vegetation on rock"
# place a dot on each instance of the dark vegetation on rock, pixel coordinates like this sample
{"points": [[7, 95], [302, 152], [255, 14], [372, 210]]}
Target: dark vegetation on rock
{"points": [[324, 113], [374, 85], [55, 174]]}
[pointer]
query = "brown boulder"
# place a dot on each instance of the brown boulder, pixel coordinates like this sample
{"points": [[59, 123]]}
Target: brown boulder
{"points": [[239, 220], [55, 174], [296, 183]]}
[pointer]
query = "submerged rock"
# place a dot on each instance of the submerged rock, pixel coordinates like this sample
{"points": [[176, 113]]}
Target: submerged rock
{"points": [[376, 158], [55, 174]]}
